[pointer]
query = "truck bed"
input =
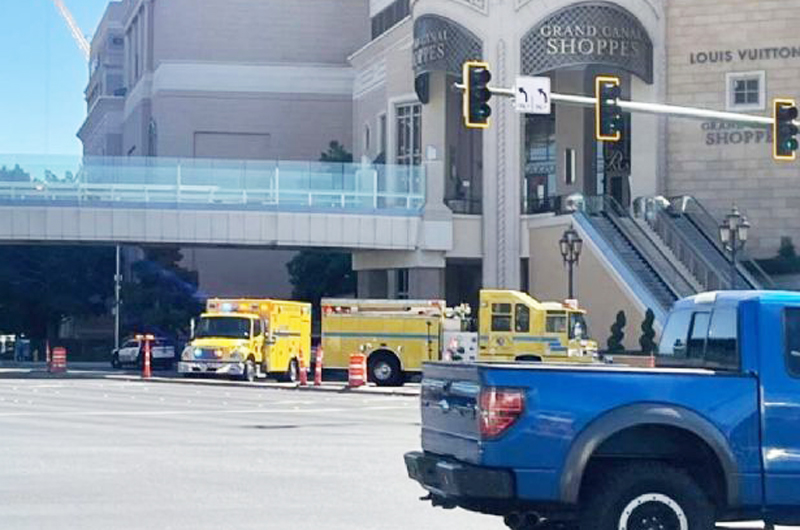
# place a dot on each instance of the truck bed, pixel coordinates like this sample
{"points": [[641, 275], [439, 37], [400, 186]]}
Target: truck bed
{"points": [[561, 404]]}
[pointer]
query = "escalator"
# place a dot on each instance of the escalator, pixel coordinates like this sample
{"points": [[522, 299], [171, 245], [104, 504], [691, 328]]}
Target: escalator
{"points": [[690, 232], [644, 266]]}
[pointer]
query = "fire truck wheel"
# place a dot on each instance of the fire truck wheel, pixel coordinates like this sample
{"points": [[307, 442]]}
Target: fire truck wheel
{"points": [[384, 369], [291, 374], [249, 374]]}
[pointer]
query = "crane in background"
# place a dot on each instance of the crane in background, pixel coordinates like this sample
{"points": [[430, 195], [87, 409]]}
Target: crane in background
{"points": [[80, 39]]}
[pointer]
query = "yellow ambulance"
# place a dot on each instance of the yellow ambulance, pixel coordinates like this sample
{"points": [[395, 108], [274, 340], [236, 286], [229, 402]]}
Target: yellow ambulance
{"points": [[514, 326], [249, 338]]}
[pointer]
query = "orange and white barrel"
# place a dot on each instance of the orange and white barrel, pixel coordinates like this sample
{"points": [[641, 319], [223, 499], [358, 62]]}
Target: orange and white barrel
{"points": [[357, 371]]}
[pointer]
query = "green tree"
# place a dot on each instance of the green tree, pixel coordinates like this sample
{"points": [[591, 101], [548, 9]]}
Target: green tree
{"points": [[41, 285], [162, 297], [315, 274], [17, 174], [647, 340], [617, 334], [336, 153]]}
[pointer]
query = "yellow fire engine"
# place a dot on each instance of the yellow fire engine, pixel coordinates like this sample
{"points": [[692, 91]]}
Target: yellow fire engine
{"points": [[249, 338], [397, 335]]}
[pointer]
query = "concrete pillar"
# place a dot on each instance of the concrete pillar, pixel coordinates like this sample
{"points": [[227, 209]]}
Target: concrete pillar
{"points": [[372, 283], [502, 174], [426, 283]]}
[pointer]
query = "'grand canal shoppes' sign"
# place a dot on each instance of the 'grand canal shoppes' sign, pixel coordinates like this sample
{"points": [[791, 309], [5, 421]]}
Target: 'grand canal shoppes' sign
{"points": [[589, 33]]}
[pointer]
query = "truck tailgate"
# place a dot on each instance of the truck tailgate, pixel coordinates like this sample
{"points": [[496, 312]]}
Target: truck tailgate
{"points": [[449, 403]]}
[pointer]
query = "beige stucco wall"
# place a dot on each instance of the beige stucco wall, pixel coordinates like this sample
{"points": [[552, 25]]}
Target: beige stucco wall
{"points": [[597, 290], [705, 40]]}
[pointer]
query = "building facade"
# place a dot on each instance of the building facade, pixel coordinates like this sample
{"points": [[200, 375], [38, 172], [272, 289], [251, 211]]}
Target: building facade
{"points": [[496, 181], [249, 80], [731, 55]]}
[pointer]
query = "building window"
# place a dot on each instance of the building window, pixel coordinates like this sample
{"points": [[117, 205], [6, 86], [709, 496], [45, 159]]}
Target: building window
{"points": [[409, 134], [540, 163], [382, 134], [746, 91], [152, 139], [569, 166], [402, 283], [389, 17], [366, 140]]}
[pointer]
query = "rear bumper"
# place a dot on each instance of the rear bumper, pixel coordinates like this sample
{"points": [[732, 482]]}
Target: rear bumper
{"points": [[447, 477]]}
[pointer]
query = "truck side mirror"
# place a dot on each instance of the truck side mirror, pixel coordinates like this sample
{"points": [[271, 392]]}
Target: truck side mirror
{"points": [[191, 328]]}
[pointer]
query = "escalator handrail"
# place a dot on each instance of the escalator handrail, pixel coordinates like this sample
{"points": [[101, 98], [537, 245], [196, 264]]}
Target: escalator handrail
{"points": [[708, 267], [675, 274], [710, 226]]}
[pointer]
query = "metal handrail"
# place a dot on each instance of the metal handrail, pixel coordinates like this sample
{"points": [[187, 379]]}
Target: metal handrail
{"points": [[709, 228]]}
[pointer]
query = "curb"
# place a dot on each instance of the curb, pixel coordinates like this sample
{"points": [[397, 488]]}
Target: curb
{"points": [[343, 389]]}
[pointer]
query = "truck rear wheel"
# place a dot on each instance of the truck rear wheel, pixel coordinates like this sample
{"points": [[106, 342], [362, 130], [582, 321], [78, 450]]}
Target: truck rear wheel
{"points": [[644, 496], [292, 373], [384, 369]]}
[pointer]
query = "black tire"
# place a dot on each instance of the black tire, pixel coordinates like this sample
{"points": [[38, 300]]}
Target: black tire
{"points": [[646, 495], [249, 374], [384, 369], [115, 364], [292, 373]]}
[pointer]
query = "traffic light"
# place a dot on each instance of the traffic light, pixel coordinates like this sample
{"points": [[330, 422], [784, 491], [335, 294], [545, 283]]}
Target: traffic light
{"points": [[477, 95], [784, 132], [608, 115]]}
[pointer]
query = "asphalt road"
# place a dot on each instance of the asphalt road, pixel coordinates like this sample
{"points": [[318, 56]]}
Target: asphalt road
{"points": [[102, 454]]}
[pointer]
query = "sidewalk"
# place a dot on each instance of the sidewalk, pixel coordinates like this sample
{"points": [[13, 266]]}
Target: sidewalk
{"points": [[82, 370]]}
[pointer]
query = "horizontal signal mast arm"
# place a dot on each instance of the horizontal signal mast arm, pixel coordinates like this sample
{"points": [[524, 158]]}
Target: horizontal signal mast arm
{"points": [[650, 108]]}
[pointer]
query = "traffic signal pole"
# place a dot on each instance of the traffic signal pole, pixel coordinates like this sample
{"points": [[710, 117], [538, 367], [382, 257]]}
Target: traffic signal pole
{"points": [[649, 108]]}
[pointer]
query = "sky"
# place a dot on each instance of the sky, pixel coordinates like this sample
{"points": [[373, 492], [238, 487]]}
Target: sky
{"points": [[44, 75]]}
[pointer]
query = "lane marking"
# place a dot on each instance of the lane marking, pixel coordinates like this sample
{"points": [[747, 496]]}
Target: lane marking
{"points": [[217, 412]]}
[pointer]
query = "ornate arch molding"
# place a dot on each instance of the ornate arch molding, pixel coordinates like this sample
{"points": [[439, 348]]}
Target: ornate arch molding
{"points": [[589, 33]]}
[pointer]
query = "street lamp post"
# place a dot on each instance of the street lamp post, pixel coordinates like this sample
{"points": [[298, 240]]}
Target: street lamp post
{"points": [[733, 233], [570, 245]]}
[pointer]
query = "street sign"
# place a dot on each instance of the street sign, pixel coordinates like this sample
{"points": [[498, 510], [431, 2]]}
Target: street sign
{"points": [[532, 95]]}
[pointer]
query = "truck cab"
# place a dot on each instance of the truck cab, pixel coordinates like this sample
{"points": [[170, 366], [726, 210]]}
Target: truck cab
{"points": [[515, 326]]}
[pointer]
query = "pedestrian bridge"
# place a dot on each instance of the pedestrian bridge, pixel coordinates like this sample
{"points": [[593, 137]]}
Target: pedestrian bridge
{"points": [[211, 202]]}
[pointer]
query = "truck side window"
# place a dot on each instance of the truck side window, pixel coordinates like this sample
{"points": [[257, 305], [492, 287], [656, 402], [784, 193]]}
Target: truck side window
{"points": [[556, 322], [791, 339], [673, 339], [721, 348], [522, 323], [501, 317], [696, 347]]}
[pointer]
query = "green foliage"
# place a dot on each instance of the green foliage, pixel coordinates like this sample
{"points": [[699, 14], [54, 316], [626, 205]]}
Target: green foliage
{"points": [[617, 334], [786, 250], [17, 174], [647, 340], [786, 262], [162, 296], [315, 274], [336, 153], [41, 285]]}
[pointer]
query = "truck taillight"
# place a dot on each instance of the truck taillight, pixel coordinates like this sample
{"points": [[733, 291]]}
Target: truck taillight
{"points": [[499, 409]]}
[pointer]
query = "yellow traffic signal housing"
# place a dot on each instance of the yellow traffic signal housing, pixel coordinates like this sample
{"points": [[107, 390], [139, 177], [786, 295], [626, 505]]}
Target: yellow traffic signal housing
{"points": [[476, 110], [608, 115], [784, 131]]}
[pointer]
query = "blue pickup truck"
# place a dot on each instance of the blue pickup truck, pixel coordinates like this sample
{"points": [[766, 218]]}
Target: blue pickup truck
{"points": [[712, 433]]}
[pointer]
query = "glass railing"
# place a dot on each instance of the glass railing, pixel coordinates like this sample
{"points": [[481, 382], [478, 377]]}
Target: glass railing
{"points": [[213, 183]]}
